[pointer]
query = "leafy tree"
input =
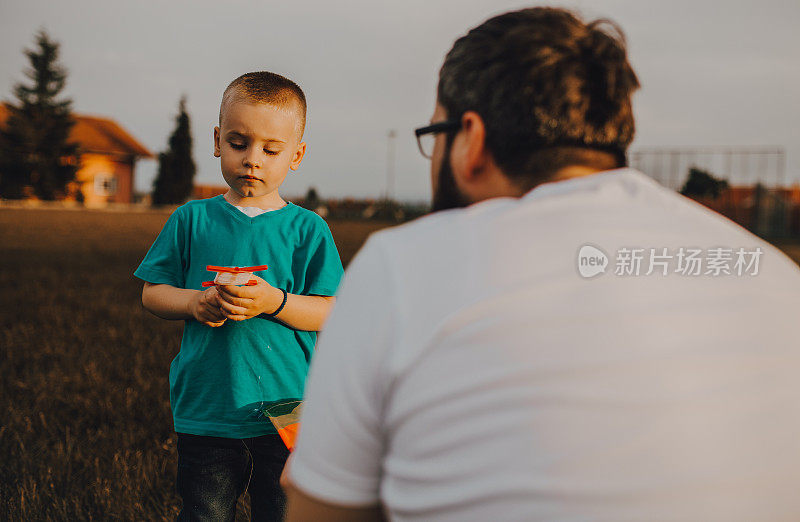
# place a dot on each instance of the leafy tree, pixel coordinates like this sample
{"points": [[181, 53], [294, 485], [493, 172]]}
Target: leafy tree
{"points": [[702, 184], [34, 146], [176, 168]]}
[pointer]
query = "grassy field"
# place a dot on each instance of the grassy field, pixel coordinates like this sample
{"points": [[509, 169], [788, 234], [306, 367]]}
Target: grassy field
{"points": [[85, 426], [86, 431]]}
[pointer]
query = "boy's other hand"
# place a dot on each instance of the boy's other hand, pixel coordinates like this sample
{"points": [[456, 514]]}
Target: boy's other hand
{"points": [[243, 302], [205, 307]]}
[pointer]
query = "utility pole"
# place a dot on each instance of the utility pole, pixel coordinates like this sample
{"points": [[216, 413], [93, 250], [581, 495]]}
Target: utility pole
{"points": [[390, 154]]}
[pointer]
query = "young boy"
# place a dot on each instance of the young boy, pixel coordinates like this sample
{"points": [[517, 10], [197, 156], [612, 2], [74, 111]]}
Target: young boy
{"points": [[244, 347]]}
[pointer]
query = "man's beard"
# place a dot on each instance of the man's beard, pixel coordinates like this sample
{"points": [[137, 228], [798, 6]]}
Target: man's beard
{"points": [[446, 194]]}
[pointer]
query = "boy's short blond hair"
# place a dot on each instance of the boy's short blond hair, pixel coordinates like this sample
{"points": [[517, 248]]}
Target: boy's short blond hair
{"points": [[265, 87]]}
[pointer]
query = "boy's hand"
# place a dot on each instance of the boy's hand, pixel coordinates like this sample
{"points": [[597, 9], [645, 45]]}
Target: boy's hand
{"points": [[205, 307], [243, 302]]}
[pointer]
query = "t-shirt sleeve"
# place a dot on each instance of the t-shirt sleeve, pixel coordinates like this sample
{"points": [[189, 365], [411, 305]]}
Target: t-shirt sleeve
{"points": [[341, 442], [324, 270], [165, 262]]}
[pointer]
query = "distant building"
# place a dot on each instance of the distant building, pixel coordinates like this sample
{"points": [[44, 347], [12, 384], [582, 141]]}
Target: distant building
{"points": [[108, 155]]}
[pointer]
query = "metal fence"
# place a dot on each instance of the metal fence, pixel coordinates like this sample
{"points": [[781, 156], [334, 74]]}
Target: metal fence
{"points": [[738, 166], [757, 196]]}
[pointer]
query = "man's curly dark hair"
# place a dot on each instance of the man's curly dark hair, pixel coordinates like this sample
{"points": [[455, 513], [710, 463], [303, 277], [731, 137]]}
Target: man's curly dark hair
{"points": [[552, 91]]}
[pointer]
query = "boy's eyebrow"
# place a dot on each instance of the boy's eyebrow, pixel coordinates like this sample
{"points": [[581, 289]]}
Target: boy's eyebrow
{"points": [[236, 134]]}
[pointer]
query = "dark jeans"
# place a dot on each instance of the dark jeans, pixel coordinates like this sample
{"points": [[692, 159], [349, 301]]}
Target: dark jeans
{"points": [[213, 472]]}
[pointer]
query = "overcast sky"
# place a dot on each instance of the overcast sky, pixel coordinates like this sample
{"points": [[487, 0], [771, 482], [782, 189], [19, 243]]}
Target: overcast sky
{"points": [[713, 73]]}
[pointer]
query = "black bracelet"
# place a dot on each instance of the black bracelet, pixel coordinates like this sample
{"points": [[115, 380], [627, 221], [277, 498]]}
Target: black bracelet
{"points": [[276, 312]]}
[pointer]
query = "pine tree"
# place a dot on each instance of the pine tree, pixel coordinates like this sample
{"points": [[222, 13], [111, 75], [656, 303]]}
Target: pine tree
{"points": [[34, 147], [312, 200], [176, 168]]}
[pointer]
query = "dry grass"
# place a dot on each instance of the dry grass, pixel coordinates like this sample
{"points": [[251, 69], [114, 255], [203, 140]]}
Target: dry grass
{"points": [[86, 431]]}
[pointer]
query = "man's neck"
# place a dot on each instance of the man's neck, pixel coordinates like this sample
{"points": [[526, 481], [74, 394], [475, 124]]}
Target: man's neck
{"points": [[574, 171], [504, 187], [571, 172]]}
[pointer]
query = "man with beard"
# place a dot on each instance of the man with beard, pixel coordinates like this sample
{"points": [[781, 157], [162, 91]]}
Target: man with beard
{"points": [[570, 340]]}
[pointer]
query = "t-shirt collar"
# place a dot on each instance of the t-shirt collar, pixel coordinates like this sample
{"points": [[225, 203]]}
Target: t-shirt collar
{"points": [[584, 183]]}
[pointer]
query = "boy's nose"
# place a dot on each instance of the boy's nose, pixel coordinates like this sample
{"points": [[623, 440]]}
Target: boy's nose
{"points": [[251, 161]]}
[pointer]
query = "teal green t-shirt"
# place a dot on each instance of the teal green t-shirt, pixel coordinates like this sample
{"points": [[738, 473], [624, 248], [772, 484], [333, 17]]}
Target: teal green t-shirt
{"points": [[223, 377]]}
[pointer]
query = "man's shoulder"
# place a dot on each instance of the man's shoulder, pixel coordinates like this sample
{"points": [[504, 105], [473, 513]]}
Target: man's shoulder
{"points": [[417, 231], [444, 226], [434, 242]]}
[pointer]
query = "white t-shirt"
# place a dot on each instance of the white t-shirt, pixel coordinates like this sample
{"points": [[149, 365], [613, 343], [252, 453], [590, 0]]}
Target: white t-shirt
{"points": [[469, 372]]}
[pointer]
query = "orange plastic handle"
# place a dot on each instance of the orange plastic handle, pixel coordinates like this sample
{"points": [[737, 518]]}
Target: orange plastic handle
{"points": [[236, 269]]}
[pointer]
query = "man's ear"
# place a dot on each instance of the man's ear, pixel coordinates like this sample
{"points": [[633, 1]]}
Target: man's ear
{"points": [[469, 153], [298, 156], [216, 142]]}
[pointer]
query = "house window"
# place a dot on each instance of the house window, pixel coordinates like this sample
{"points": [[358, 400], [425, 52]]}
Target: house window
{"points": [[105, 184]]}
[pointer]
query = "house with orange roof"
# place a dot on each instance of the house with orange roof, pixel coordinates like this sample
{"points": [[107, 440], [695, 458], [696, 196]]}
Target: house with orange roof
{"points": [[108, 155]]}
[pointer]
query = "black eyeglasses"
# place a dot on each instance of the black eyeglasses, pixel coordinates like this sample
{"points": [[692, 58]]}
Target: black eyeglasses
{"points": [[426, 136]]}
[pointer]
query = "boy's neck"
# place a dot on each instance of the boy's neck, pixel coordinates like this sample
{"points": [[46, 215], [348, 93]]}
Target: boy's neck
{"points": [[267, 202]]}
